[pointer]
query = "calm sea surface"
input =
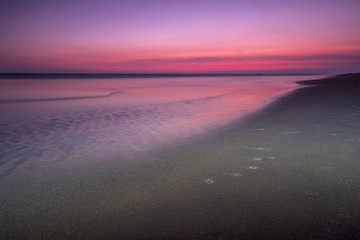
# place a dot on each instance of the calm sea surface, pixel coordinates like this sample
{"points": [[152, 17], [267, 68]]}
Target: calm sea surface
{"points": [[50, 121]]}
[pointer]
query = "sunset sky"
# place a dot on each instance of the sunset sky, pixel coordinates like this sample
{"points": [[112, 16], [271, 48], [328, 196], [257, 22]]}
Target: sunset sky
{"points": [[133, 36]]}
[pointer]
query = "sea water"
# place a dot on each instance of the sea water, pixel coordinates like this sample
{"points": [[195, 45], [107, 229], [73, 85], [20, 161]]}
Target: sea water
{"points": [[76, 121]]}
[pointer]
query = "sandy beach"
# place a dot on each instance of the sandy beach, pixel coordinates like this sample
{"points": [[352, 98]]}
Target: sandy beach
{"points": [[288, 171]]}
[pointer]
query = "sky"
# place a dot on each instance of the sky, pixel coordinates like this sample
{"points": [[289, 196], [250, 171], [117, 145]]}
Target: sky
{"points": [[161, 36]]}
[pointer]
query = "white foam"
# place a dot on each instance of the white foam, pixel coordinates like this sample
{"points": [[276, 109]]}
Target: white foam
{"points": [[259, 148], [292, 132], [336, 134], [208, 181], [250, 167]]}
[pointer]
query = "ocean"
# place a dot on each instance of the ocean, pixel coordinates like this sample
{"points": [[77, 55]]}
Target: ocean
{"points": [[45, 121]]}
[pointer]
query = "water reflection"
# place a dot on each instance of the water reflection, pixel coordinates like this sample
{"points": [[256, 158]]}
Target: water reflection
{"points": [[112, 117]]}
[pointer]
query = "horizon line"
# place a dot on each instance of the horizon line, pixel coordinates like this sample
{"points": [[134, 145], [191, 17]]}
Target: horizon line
{"points": [[134, 75]]}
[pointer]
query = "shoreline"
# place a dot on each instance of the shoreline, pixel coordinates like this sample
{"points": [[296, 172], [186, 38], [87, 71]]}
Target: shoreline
{"points": [[319, 91]]}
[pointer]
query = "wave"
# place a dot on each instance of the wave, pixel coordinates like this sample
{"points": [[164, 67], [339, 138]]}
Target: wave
{"points": [[26, 100]]}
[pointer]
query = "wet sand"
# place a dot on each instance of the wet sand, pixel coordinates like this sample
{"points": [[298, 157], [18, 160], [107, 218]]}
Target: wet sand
{"points": [[289, 171]]}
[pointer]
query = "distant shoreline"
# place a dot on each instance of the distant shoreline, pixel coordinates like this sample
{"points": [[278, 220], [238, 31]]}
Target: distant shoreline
{"points": [[136, 75], [334, 79]]}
